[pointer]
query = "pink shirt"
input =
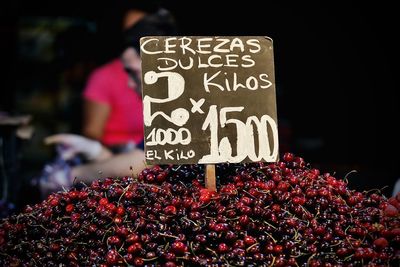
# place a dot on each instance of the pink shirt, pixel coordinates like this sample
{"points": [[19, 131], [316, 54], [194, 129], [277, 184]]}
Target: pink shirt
{"points": [[108, 84]]}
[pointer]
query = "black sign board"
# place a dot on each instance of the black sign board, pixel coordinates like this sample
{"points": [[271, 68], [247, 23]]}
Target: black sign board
{"points": [[209, 99]]}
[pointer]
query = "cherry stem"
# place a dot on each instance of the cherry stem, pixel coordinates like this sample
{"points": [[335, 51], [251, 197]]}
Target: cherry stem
{"points": [[248, 193], [348, 257], [255, 244], [123, 193], [150, 259], [167, 235], [310, 258], [102, 240], [191, 248], [269, 224], [268, 234], [187, 219], [212, 251], [273, 261], [350, 172]]}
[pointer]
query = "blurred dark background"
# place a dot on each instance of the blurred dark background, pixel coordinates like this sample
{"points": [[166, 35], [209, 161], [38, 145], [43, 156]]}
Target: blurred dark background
{"points": [[334, 66]]}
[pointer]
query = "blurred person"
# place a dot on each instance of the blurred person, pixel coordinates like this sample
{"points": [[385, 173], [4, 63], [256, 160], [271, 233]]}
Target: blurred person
{"points": [[112, 97], [102, 161]]}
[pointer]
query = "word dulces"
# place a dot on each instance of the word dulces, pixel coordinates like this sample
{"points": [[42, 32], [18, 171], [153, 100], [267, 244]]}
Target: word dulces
{"points": [[212, 61]]}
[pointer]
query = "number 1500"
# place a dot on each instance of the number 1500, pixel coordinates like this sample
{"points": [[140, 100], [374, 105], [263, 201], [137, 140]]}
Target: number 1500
{"points": [[245, 143]]}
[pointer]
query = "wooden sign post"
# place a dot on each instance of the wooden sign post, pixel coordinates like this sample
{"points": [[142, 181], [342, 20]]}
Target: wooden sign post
{"points": [[211, 183], [209, 100]]}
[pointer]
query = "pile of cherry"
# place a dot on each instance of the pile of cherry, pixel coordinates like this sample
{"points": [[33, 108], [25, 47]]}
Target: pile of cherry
{"points": [[281, 214]]}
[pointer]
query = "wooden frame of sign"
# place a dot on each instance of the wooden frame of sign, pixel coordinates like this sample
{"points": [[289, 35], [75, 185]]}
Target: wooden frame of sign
{"points": [[209, 100]]}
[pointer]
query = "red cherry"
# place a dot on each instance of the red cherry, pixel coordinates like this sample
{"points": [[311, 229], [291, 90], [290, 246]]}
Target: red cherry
{"points": [[129, 195], [103, 201], [112, 256], [179, 247], [391, 211], [114, 240], [118, 220], [288, 157], [249, 240], [132, 238], [120, 211], [73, 194], [170, 210], [138, 262], [69, 208], [161, 177], [54, 202], [223, 248], [134, 248], [278, 249], [205, 198], [381, 242]]}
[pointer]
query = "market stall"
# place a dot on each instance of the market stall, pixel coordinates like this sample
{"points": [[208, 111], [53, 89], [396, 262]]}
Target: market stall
{"points": [[217, 194]]}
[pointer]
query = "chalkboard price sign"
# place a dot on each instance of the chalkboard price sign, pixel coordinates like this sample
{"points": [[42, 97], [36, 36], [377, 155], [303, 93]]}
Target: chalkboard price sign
{"points": [[209, 99]]}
